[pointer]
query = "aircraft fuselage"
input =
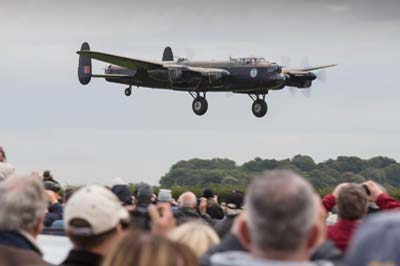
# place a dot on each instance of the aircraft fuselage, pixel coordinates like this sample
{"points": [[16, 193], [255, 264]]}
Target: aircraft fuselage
{"points": [[244, 77]]}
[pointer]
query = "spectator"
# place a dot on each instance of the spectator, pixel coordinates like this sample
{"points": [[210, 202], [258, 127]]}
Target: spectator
{"points": [[59, 224], [121, 190], [93, 218], [47, 176], [376, 242], [325, 251], [196, 235], [55, 208], [23, 204], [144, 249], [382, 199], [280, 223], [213, 208], [140, 215], [352, 204], [165, 195], [189, 210], [233, 207]]}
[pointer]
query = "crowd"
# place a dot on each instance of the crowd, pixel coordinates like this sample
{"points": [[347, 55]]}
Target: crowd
{"points": [[279, 220]]}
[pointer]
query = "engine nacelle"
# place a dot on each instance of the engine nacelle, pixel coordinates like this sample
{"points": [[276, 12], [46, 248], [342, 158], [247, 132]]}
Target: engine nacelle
{"points": [[300, 81], [173, 74]]}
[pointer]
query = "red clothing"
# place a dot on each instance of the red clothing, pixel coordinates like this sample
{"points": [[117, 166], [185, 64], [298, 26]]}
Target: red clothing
{"points": [[341, 232], [386, 202], [329, 201]]}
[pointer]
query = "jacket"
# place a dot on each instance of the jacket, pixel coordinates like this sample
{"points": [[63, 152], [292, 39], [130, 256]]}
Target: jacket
{"points": [[325, 252], [184, 214], [215, 210], [341, 232], [19, 249], [82, 258], [222, 227], [240, 258], [229, 243], [55, 212], [386, 202]]}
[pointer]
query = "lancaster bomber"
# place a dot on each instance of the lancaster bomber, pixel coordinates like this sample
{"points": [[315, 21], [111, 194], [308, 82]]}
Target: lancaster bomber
{"points": [[253, 76]]}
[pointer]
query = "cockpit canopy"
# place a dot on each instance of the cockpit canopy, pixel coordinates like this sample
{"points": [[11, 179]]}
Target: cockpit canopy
{"points": [[249, 60], [182, 59]]}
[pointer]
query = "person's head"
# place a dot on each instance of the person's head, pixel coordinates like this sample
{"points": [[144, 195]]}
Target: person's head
{"points": [[47, 175], [164, 195], [144, 193], [199, 236], [93, 217], [208, 193], [143, 249], [3, 157], [188, 200], [352, 202], [123, 194], [280, 217], [376, 241], [234, 202], [23, 203]]}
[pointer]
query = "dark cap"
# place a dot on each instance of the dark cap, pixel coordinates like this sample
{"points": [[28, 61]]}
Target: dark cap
{"points": [[52, 185], [234, 200], [123, 194], [208, 193], [144, 189]]}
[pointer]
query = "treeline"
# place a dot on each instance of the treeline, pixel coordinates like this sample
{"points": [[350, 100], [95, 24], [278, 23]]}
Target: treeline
{"points": [[225, 174]]}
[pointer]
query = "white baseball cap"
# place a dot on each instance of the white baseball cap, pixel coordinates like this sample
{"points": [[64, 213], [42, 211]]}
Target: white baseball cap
{"points": [[97, 206]]}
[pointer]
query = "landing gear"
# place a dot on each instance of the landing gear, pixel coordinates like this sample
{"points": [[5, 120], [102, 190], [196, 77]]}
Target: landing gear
{"points": [[259, 106], [128, 91], [200, 104]]}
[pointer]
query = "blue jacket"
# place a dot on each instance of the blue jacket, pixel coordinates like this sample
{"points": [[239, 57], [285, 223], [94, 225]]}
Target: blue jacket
{"points": [[55, 212]]}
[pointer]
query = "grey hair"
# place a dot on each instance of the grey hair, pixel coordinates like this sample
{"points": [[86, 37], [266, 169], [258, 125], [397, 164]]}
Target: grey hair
{"points": [[281, 211], [188, 200], [23, 201]]}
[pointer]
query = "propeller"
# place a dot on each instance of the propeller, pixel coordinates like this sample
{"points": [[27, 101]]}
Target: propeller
{"points": [[304, 63]]}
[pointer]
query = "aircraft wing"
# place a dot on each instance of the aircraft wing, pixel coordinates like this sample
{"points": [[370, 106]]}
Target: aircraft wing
{"points": [[126, 62], [111, 76], [306, 70]]}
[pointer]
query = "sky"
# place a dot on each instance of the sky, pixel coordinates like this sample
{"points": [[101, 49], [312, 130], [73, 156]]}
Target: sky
{"points": [[93, 133]]}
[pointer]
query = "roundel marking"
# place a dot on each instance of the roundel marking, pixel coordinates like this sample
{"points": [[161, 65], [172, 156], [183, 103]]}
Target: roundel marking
{"points": [[253, 72]]}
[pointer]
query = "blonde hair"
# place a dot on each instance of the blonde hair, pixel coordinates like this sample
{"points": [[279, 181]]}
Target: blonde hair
{"points": [[197, 235], [137, 248]]}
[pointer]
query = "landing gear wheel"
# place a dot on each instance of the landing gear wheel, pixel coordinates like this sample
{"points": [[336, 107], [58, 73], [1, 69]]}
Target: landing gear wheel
{"points": [[200, 105], [128, 91], [259, 108]]}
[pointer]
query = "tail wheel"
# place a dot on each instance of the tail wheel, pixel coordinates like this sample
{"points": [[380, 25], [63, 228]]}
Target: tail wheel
{"points": [[259, 108], [200, 105], [128, 92]]}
